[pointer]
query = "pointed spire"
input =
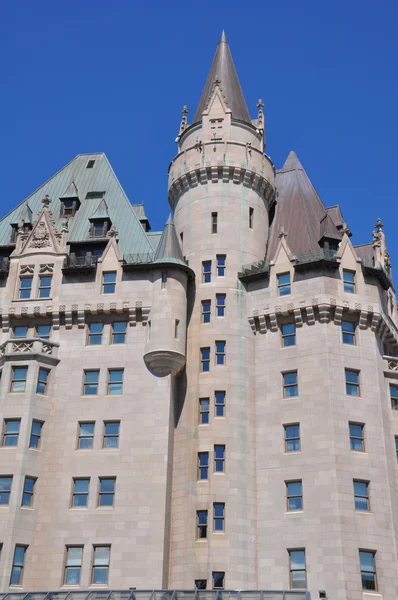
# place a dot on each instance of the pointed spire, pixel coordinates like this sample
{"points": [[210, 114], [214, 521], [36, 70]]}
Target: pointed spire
{"points": [[169, 249], [223, 70], [292, 162]]}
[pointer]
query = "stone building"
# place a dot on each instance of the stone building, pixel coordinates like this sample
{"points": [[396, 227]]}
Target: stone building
{"points": [[210, 406]]}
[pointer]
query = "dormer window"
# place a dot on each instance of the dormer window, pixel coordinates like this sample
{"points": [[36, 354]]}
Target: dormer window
{"points": [[68, 208], [99, 228], [69, 201], [90, 164]]}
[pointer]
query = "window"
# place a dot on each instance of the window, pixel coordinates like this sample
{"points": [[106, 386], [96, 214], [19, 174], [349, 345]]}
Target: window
{"points": [[176, 324], [68, 208], [352, 382], [101, 560], [42, 381], [396, 447], [21, 331], [201, 584], [111, 434], [221, 264], [206, 271], [219, 405], [298, 576], [106, 494], [251, 217], [290, 386], [219, 516], [205, 359], [109, 282], [349, 281], [25, 287], [18, 565], [80, 493], [201, 524], [214, 217], [28, 491], [164, 279], [218, 580], [95, 334], [206, 311], [5, 489], [219, 458], [99, 228], [73, 565], [394, 396], [288, 331], [45, 286], [220, 305], [18, 381], [90, 385], [361, 495], [294, 495], [220, 353], [292, 437], [11, 432], [203, 465], [283, 284], [35, 435], [348, 331], [43, 331], [357, 440], [115, 381], [85, 437], [95, 195], [90, 164], [118, 335], [368, 570], [204, 409]]}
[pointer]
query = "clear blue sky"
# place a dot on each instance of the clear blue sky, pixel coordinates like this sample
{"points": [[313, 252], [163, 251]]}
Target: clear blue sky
{"points": [[112, 75]]}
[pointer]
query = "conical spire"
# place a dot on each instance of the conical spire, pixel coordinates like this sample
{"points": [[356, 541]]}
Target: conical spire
{"points": [[292, 162], [223, 69], [169, 249]]}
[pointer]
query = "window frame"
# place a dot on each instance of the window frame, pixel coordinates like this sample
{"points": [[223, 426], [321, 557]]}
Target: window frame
{"points": [[352, 334], [287, 386], [90, 383], [46, 337], [106, 284], [205, 362], [213, 578], [85, 436], [106, 436], [393, 399], [355, 437], [118, 333], [217, 404], [43, 288], [18, 337], [350, 384], [218, 519], [203, 467], [220, 353], [284, 286], [206, 312], [396, 446], [78, 494], [293, 570], [202, 584], [366, 571], [118, 382], [292, 438], [214, 222], [287, 336], [93, 336], [7, 490], [219, 461], [43, 381], [221, 305], [20, 566], [6, 434], [251, 217], [292, 497], [206, 271], [202, 412], [35, 435], [14, 380], [101, 565], [21, 288], [220, 266], [360, 497], [27, 492], [74, 567], [347, 282], [106, 493], [201, 527]]}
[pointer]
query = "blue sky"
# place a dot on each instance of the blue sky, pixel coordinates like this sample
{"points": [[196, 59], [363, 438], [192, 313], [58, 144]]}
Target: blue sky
{"points": [[99, 75]]}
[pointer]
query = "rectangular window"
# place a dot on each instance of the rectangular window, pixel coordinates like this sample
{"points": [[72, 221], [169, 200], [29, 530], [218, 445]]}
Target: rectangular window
{"points": [[201, 584], [218, 516], [218, 578], [80, 493], [99, 228], [394, 396], [101, 561], [352, 382], [10, 432], [43, 332], [290, 385], [284, 287], [298, 575], [106, 494], [20, 331], [118, 335], [25, 287], [219, 404], [292, 437], [115, 381], [18, 565], [206, 271], [109, 282], [219, 458], [251, 217], [396, 447], [294, 495], [204, 409], [205, 359], [203, 465], [35, 435], [214, 224], [42, 381], [111, 434], [85, 439], [5, 489], [90, 385], [28, 491], [220, 353], [357, 440], [349, 281], [164, 279], [221, 264], [18, 381], [95, 334], [348, 332], [206, 311], [368, 570], [288, 331], [201, 524], [73, 565], [45, 286], [176, 324], [220, 305], [361, 495]]}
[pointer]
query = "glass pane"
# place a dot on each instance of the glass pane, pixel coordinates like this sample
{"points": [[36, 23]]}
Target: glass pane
{"points": [[80, 500], [291, 391], [109, 277], [29, 484], [96, 327], [294, 488], [72, 575], [45, 281], [293, 445], [292, 431], [288, 328], [361, 503], [283, 278], [368, 581], [107, 485], [101, 555], [220, 346], [11, 440], [20, 372], [43, 331], [4, 498], [92, 376], [290, 378], [351, 376], [12, 426], [360, 488], [5, 483], [16, 575], [349, 276], [299, 579], [297, 559], [115, 388], [111, 442], [74, 557], [393, 391], [86, 443], [356, 430], [218, 510], [219, 451], [19, 555], [81, 485], [356, 445], [26, 282], [115, 375], [36, 427], [106, 500], [86, 428], [348, 326], [111, 428], [205, 353], [20, 331], [289, 341], [352, 390], [295, 503]]}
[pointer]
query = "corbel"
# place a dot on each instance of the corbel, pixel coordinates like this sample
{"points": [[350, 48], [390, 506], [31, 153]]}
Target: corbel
{"points": [[68, 319], [298, 319], [132, 317], [262, 323], [252, 323], [273, 322], [81, 319], [363, 319], [310, 315], [338, 314], [324, 313]]}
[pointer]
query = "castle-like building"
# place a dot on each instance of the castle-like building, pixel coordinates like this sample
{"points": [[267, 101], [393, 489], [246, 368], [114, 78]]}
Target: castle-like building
{"points": [[213, 406]]}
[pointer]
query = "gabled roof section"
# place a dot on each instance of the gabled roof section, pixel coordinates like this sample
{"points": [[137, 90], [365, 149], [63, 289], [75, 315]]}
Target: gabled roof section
{"points": [[169, 249], [223, 69], [25, 215], [336, 215], [70, 192], [328, 229], [101, 212]]}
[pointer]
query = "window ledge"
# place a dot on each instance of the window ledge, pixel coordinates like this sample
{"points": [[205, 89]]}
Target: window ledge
{"points": [[292, 452], [364, 512], [27, 508], [360, 452], [32, 300], [294, 512], [105, 508]]}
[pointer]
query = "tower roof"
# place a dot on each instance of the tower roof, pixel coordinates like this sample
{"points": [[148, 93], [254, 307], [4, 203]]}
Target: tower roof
{"points": [[223, 69], [169, 249]]}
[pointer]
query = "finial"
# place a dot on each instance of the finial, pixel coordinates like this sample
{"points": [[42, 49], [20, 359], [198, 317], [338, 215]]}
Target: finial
{"points": [[282, 234], [260, 116], [379, 224], [113, 231], [46, 201], [260, 104], [184, 122]]}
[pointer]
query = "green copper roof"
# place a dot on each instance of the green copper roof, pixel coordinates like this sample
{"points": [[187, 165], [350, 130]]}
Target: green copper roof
{"points": [[23, 214], [101, 212], [169, 249], [71, 192]]}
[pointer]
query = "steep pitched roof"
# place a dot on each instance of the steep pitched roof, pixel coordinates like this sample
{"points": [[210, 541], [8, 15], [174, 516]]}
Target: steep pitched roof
{"points": [[169, 249], [25, 215], [223, 69], [71, 191], [101, 211]]}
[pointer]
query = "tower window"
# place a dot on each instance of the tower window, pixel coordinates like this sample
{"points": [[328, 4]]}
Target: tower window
{"points": [[294, 495], [35, 435], [204, 404], [111, 434], [218, 580], [220, 353], [100, 572], [206, 311], [292, 437], [118, 335], [349, 281], [18, 381], [95, 334], [73, 565], [203, 465], [85, 438], [28, 491], [201, 524], [201, 584], [352, 382], [206, 271], [106, 494], [219, 405], [220, 305], [11, 432], [115, 381], [219, 516], [90, 164], [348, 332], [298, 575], [361, 495], [42, 381], [357, 439], [205, 359], [290, 385], [219, 458], [164, 279], [214, 222], [176, 324], [90, 385], [5, 489], [80, 493], [221, 264], [99, 228], [284, 288], [45, 286], [251, 217], [25, 287], [394, 396], [20, 331], [368, 570], [18, 565], [109, 282], [288, 331]]}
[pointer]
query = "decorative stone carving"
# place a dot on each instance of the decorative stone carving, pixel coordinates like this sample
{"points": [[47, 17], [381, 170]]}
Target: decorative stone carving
{"points": [[40, 237], [27, 270], [46, 268]]}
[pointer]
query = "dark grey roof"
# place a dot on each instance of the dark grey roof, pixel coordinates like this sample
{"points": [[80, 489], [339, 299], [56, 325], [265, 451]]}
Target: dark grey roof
{"points": [[365, 251], [169, 249], [139, 211], [223, 69], [335, 213], [328, 228]]}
